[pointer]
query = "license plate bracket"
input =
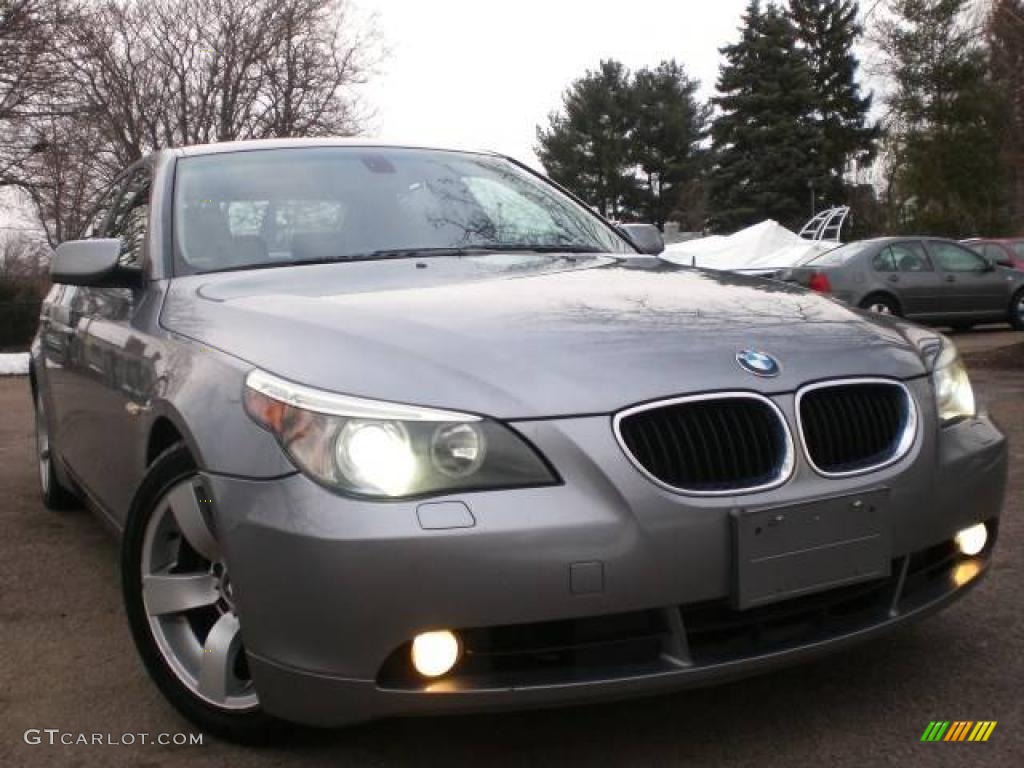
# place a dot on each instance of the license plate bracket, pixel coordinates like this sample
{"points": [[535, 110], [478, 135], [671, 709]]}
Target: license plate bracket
{"points": [[781, 552]]}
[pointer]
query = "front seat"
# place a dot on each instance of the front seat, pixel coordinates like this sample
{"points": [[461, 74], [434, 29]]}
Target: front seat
{"points": [[209, 243]]}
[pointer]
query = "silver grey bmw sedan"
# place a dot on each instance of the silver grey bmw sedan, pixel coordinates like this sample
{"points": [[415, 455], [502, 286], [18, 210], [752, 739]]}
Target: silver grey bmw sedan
{"points": [[389, 430]]}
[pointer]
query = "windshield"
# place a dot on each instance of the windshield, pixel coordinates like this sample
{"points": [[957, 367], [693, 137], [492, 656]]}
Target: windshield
{"points": [[299, 205]]}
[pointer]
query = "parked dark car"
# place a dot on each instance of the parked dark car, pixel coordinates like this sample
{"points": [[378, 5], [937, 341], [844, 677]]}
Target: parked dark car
{"points": [[394, 430], [928, 279], [1007, 252]]}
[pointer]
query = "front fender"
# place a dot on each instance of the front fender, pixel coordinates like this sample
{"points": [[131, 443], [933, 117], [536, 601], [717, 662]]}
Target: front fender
{"points": [[200, 392]]}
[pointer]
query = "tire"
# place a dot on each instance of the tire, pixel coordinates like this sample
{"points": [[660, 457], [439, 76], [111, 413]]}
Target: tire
{"points": [[1017, 310], [881, 304], [179, 655], [55, 495]]}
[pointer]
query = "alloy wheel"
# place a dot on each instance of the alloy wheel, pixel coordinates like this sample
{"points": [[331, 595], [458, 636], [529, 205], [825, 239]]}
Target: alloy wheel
{"points": [[189, 601], [880, 308]]}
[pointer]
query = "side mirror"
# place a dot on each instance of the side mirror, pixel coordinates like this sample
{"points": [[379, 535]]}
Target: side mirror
{"points": [[990, 264], [93, 263], [645, 237]]}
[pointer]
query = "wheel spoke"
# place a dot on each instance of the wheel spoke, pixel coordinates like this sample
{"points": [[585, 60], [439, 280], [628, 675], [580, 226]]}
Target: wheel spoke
{"points": [[192, 522], [223, 643], [174, 593]]}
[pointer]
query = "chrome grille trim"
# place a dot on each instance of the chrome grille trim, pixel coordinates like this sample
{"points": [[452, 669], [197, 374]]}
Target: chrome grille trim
{"points": [[903, 444], [786, 467]]}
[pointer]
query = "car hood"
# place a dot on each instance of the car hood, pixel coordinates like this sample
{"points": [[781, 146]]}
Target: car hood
{"points": [[529, 337]]}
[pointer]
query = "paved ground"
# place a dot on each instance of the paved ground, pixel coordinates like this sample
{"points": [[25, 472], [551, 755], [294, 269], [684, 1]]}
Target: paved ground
{"points": [[983, 337], [67, 662]]}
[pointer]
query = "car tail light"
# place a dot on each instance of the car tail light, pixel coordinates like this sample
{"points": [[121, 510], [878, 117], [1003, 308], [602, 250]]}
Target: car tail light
{"points": [[819, 282]]}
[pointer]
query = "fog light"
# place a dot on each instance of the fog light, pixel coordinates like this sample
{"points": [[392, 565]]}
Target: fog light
{"points": [[435, 653], [972, 540]]}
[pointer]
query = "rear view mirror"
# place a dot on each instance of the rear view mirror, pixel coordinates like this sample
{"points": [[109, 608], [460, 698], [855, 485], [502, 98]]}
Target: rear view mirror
{"points": [[645, 237], [91, 262]]}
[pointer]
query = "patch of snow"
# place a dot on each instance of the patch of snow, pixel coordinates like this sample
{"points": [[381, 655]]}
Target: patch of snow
{"points": [[767, 245], [14, 364]]}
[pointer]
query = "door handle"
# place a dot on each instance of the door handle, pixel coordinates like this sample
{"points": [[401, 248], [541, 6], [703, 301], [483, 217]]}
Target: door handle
{"points": [[950, 279], [894, 278]]}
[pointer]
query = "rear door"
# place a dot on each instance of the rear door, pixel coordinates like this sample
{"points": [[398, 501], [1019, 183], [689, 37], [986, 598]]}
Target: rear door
{"points": [[912, 277], [972, 287]]}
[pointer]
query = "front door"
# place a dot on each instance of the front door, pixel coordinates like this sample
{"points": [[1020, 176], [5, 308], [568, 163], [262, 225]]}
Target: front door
{"points": [[972, 287], [111, 363]]}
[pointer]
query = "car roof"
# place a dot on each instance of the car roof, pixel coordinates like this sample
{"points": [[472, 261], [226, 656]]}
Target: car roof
{"points": [[328, 141], [904, 238]]}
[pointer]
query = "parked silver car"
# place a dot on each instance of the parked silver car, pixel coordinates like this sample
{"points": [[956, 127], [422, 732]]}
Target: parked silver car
{"points": [[927, 279], [389, 430]]}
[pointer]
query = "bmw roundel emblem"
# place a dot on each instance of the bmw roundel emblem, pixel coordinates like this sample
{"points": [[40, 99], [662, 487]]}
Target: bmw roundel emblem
{"points": [[758, 363]]}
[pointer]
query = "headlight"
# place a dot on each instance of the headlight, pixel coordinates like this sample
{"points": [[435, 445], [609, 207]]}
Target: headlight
{"points": [[953, 394], [373, 448]]}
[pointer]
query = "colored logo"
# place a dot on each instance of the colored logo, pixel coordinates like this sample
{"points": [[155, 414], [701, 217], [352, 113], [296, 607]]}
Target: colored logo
{"points": [[758, 363], [958, 730]]}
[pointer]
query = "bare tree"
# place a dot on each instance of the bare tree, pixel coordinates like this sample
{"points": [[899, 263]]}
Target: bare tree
{"points": [[23, 258], [29, 75], [132, 76]]}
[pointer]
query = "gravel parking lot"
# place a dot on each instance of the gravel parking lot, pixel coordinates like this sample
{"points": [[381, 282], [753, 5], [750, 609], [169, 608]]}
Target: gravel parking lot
{"points": [[67, 662]]}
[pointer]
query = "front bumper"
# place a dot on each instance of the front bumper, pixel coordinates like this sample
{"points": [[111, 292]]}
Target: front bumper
{"points": [[603, 587]]}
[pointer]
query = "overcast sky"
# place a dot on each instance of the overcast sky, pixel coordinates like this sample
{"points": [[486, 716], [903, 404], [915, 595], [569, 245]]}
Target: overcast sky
{"points": [[480, 74]]}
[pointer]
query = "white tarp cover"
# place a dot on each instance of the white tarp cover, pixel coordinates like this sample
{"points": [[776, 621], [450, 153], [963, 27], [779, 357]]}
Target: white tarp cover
{"points": [[14, 364], [766, 245]]}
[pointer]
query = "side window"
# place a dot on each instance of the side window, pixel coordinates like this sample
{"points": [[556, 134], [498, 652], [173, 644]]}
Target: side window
{"points": [[955, 258], [1018, 248], [910, 257], [995, 253], [883, 261], [96, 225], [130, 217]]}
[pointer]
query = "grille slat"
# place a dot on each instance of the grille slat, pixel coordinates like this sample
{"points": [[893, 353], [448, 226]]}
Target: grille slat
{"points": [[855, 426], [718, 444]]}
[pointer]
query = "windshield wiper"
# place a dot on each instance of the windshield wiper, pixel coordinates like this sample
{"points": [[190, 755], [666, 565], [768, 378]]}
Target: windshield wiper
{"points": [[543, 248], [411, 253], [473, 250]]}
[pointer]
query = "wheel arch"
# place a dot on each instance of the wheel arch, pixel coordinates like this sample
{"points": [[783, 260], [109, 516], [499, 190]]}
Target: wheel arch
{"points": [[882, 294], [163, 434], [166, 429]]}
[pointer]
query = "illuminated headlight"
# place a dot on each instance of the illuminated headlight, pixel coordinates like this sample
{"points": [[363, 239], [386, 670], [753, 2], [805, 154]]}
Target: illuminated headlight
{"points": [[953, 394], [373, 448], [376, 454]]}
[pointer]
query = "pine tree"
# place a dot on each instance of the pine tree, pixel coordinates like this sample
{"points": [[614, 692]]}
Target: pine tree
{"points": [[1005, 33], [946, 176], [828, 30], [766, 144], [587, 146], [671, 125]]}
